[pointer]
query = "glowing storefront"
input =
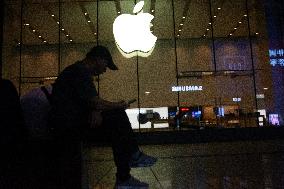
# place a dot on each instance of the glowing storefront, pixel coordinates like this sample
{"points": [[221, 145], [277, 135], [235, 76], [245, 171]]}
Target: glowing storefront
{"points": [[210, 57]]}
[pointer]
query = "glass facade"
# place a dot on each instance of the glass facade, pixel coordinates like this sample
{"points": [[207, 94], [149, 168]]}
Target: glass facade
{"points": [[210, 66]]}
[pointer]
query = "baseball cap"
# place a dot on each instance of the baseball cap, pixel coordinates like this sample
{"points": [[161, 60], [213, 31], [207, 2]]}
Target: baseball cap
{"points": [[102, 52]]}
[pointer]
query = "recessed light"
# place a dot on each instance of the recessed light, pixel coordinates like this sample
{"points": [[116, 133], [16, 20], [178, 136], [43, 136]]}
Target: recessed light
{"points": [[231, 34], [256, 33], [44, 41], [214, 16], [34, 30], [39, 36], [265, 88], [179, 30], [210, 23], [207, 29], [118, 12], [183, 17], [240, 22], [89, 21], [26, 24], [235, 28], [70, 40], [57, 22], [152, 10], [52, 15], [219, 8], [86, 13], [147, 92], [67, 35], [62, 29], [245, 15], [181, 24]]}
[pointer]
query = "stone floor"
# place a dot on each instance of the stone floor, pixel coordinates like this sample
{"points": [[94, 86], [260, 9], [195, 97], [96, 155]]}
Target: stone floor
{"points": [[222, 165]]}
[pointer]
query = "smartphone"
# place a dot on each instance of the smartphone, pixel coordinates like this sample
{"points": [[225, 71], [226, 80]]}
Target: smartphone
{"points": [[131, 101]]}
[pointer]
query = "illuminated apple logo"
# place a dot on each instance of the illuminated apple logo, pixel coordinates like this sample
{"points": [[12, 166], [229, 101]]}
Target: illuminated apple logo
{"points": [[132, 33]]}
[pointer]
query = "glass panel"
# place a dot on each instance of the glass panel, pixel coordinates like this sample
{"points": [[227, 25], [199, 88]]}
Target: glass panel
{"points": [[11, 42], [39, 50], [78, 30], [234, 63], [157, 71], [195, 61], [263, 70], [122, 83]]}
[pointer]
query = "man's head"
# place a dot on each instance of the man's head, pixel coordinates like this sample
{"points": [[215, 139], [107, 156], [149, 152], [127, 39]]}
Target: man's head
{"points": [[101, 58]]}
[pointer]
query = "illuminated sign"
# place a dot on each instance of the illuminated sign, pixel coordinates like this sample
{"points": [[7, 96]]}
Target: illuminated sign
{"points": [[259, 95], [276, 57], [132, 33], [237, 99], [186, 88]]}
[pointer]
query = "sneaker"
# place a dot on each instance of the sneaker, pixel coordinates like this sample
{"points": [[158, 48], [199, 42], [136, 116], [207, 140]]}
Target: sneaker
{"points": [[131, 183], [142, 160]]}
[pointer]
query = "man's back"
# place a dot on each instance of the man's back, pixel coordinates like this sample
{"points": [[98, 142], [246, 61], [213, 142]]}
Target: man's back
{"points": [[71, 95]]}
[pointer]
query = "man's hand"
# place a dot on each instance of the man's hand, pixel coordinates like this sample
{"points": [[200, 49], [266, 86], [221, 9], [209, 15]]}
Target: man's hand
{"points": [[123, 105]]}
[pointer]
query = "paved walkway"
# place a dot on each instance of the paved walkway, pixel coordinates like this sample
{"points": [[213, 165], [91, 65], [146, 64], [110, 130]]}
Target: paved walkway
{"points": [[222, 165]]}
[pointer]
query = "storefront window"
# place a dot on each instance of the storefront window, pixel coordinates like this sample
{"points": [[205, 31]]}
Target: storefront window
{"points": [[209, 65]]}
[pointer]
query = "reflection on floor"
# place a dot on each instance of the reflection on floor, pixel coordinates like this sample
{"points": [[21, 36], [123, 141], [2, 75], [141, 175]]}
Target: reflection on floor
{"points": [[230, 165]]}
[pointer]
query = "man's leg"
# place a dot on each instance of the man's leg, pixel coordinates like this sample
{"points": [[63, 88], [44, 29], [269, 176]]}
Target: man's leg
{"points": [[117, 126]]}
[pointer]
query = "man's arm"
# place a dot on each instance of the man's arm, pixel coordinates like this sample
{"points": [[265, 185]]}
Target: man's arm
{"points": [[100, 104]]}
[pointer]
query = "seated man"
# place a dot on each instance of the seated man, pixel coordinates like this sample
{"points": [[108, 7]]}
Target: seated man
{"points": [[74, 97]]}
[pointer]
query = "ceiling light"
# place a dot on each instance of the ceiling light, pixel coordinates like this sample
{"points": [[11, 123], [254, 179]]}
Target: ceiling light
{"points": [[34, 30], [147, 92], [181, 24], [210, 23], [52, 15], [152, 10], [70, 40], [219, 8], [235, 28], [39, 36], [179, 30], [265, 88], [85, 13], [256, 33], [95, 33], [245, 15], [26, 24], [89, 21], [240, 22], [62, 29], [207, 29], [57, 22], [67, 35], [183, 17], [44, 41], [231, 34], [214, 16], [118, 12], [204, 35]]}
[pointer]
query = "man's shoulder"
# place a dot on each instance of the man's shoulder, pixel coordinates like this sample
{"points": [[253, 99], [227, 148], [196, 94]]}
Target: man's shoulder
{"points": [[74, 69]]}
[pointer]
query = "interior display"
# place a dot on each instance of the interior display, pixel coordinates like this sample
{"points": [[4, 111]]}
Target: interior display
{"points": [[148, 117]]}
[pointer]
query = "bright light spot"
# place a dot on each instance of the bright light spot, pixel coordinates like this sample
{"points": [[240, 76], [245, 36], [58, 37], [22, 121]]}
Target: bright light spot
{"points": [[132, 33]]}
